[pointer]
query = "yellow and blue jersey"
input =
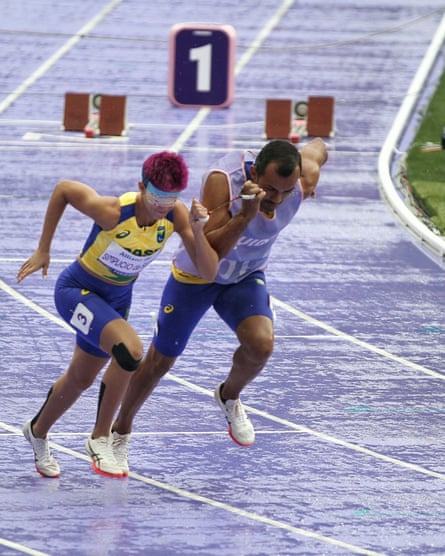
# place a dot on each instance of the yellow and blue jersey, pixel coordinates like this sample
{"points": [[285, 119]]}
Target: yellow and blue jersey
{"points": [[119, 255]]}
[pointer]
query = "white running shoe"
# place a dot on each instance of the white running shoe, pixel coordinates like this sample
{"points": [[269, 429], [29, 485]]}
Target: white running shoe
{"points": [[120, 450], [241, 430], [46, 463], [101, 452]]}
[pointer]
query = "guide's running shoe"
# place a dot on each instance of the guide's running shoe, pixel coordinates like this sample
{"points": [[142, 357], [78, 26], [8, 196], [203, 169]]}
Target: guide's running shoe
{"points": [[241, 430]]}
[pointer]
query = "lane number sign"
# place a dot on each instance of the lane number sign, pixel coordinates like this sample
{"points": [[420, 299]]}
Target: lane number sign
{"points": [[201, 65]]}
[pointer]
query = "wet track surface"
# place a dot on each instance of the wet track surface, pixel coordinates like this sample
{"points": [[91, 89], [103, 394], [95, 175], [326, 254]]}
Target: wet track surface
{"points": [[349, 456]]}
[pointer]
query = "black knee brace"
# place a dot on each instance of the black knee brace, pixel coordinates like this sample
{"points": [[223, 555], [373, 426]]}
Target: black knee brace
{"points": [[124, 357]]}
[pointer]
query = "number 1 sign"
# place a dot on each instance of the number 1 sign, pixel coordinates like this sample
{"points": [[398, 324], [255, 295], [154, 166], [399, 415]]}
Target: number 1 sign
{"points": [[202, 59]]}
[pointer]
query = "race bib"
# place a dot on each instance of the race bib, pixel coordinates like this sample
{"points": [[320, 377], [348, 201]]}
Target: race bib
{"points": [[82, 318], [124, 263]]}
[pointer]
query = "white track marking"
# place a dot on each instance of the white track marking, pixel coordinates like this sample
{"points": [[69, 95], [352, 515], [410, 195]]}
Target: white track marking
{"points": [[261, 37], [186, 494], [85, 144], [330, 329], [34, 136], [215, 503], [316, 434], [263, 34], [254, 516], [268, 416], [31, 305], [356, 341], [57, 55], [160, 433], [21, 548], [54, 260]]}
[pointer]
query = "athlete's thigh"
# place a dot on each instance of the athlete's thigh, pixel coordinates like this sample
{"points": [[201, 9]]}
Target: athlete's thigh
{"points": [[88, 313], [247, 298], [182, 307], [84, 367]]}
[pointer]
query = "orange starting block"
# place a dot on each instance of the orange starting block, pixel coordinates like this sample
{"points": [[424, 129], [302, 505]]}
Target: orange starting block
{"points": [[95, 114], [314, 118]]}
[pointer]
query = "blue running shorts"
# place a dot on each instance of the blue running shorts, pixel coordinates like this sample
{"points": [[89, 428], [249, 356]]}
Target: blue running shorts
{"points": [[183, 305], [88, 304]]}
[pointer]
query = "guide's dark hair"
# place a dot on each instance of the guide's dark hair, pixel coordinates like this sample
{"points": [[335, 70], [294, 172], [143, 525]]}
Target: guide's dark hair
{"points": [[283, 152]]}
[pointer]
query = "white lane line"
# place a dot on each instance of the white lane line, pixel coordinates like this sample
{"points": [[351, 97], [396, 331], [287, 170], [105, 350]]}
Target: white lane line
{"points": [[54, 260], [254, 516], [216, 504], [139, 125], [160, 433], [95, 143], [356, 341], [261, 37], [316, 434], [60, 137], [31, 305], [22, 548], [330, 329], [263, 34], [268, 416], [57, 55]]}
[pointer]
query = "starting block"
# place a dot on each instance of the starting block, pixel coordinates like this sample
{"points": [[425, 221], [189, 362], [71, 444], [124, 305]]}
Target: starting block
{"points": [[95, 114], [113, 115], [278, 118], [77, 111], [320, 117], [314, 118]]}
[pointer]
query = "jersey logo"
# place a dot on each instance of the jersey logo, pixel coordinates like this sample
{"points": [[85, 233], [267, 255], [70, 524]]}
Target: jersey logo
{"points": [[124, 233], [160, 236]]}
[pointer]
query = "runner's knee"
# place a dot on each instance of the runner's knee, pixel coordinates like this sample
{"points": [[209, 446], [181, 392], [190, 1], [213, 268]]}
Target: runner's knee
{"points": [[125, 358]]}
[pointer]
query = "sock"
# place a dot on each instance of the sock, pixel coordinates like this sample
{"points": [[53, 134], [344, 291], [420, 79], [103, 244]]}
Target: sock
{"points": [[101, 395], [220, 394], [34, 419]]}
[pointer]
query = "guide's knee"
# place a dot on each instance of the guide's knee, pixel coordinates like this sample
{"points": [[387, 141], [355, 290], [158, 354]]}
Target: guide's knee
{"points": [[259, 347]]}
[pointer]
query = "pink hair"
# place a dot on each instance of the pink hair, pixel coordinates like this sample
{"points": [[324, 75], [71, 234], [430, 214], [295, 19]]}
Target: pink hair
{"points": [[166, 170]]}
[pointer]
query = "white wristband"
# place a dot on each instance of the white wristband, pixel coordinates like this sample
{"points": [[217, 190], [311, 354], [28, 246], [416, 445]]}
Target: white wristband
{"points": [[202, 219]]}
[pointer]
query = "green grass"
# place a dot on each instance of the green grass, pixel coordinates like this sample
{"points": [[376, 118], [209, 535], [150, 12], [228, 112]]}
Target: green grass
{"points": [[425, 170]]}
